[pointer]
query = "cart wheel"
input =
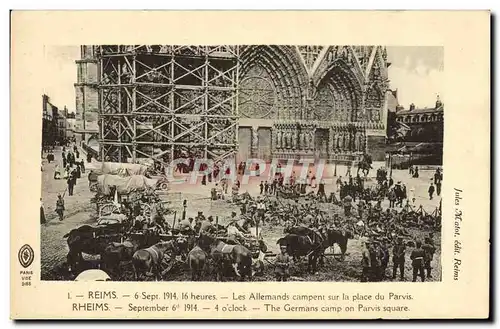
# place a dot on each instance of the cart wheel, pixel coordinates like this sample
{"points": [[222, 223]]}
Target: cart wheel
{"points": [[108, 209], [146, 210], [163, 186]]}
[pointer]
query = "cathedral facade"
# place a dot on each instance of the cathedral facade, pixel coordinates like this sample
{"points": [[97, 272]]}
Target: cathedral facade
{"points": [[258, 101], [326, 102]]}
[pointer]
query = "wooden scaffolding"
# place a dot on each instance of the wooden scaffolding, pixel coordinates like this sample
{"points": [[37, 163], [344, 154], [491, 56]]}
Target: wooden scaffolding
{"points": [[158, 103]]}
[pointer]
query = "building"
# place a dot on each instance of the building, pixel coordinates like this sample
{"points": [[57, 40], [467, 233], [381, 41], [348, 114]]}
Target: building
{"points": [[159, 102], [420, 140], [50, 122], [86, 124], [426, 124], [70, 127]]}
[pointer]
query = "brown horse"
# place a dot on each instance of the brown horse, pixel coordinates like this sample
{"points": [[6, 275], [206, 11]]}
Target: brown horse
{"points": [[149, 260], [90, 240], [197, 260], [226, 255], [116, 252]]}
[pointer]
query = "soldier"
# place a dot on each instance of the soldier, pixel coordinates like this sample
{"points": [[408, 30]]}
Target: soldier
{"points": [[417, 257], [392, 198], [431, 191], [200, 217], [321, 191], [60, 207], [206, 225], [366, 262], [384, 257], [282, 264], [398, 259], [42, 213], [347, 205], [185, 225], [361, 209], [376, 261], [429, 250]]}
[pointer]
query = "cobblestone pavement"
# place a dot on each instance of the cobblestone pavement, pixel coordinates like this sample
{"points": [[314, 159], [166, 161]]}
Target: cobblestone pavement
{"points": [[80, 211]]}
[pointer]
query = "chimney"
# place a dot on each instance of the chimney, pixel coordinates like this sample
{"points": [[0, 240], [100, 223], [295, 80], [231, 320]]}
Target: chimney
{"points": [[438, 102]]}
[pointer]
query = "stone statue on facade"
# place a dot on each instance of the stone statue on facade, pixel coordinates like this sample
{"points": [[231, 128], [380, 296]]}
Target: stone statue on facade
{"points": [[278, 139], [255, 138], [288, 139], [334, 140], [294, 140], [311, 140]]}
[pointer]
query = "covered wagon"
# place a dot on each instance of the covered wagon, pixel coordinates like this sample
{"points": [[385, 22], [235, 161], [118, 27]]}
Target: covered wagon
{"points": [[109, 184], [124, 169]]}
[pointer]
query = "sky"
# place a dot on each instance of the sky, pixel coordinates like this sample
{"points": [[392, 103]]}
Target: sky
{"points": [[416, 72]]}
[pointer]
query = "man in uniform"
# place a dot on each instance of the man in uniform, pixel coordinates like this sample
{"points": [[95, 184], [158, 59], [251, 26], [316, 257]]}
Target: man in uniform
{"points": [[431, 191], [366, 262], [429, 250], [206, 225], [398, 258], [60, 206], [361, 209], [321, 191], [347, 205], [261, 210], [417, 257], [234, 234], [282, 264], [384, 257], [185, 225]]}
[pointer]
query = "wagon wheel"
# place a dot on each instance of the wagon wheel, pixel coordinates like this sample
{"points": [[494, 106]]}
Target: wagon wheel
{"points": [[108, 209], [146, 210], [163, 186]]}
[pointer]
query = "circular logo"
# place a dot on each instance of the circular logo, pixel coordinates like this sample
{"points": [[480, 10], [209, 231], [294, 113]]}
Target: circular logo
{"points": [[26, 255]]}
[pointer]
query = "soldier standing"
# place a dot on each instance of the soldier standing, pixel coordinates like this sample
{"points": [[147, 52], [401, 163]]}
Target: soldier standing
{"points": [[429, 250], [321, 191], [42, 213], [417, 257], [282, 264], [366, 262], [60, 207], [431, 191], [398, 259], [384, 257]]}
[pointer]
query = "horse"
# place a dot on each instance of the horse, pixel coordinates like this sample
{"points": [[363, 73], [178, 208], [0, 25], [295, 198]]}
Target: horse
{"points": [[238, 256], [299, 245], [338, 237], [197, 261], [320, 242], [90, 240], [365, 165], [115, 253], [150, 259]]}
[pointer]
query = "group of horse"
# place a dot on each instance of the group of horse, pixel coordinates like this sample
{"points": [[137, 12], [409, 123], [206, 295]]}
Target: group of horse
{"points": [[154, 254], [207, 253], [304, 241]]}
